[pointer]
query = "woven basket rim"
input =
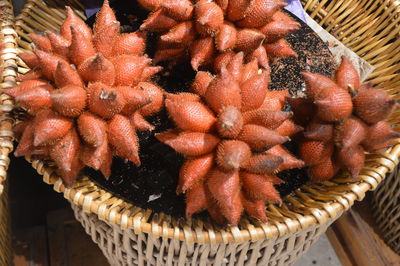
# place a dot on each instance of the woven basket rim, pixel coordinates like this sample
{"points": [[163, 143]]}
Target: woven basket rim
{"points": [[308, 206], [8, 75]]}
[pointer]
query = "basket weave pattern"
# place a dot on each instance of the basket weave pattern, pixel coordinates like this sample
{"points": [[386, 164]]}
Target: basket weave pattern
{"points": [[130, 235], [386, 209], [8, 75]]}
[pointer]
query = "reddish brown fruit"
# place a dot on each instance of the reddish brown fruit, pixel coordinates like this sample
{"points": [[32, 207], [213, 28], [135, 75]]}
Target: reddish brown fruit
{"points": [[249, 39], [69, 100], [323, 171], [193, 144], [289, 161], [129, 69], [150, 5], [346, 76], [238, 9], [226, 37], [193, 171], [303, 110], [289, 128], [377, 134], [266, 118], [254, 90], [105, 39], [105, 18], [97, 69], [104, 101], [260, 11], [373, 105], [255, 209], [201, 82], [81, 48], [202, 51], [274, 100], [183, 33], [48, 63], [139, 123], [25, 86], [249, 70], [158, 22], [150, 71], [180, 10], [63, 152], [92, 129], [350, 133], [41, 42], [73, 20], [95, 157], [34, 99], [235, 66], [232, 154], [155, 94], [209, 17], [279, 27], [351, 159], [218, 96], [25, 143], [182, 97], [317, 83], [135, 98], [190, 116], [66, 75], [196, 199], [130, 43], [280, 48], [225, 189], [264, 164], [257, 187], [222, 60], [319, 131], [336, 105], [230, 122], [59, 45], [122, 137], [31, 60], [259, 138], [69, 177], [261, 55], [315, 152], [50, 127]]}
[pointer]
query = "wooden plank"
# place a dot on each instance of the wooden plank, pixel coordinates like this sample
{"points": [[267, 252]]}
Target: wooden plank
{"points": [[69, 245], [30, 247], [356, 242]]}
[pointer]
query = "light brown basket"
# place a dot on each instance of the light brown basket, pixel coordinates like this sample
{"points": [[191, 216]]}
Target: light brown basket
{"points": [[386, 209], [8, 75], [129, 235]]}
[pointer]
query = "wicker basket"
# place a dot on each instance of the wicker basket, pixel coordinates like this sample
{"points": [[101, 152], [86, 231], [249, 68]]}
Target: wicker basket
{"points": [[129, 235], [386, 209], [8, 75]]}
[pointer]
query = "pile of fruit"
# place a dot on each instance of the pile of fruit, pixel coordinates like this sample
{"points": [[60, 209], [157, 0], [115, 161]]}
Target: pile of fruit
{"points": [[90, 90]]}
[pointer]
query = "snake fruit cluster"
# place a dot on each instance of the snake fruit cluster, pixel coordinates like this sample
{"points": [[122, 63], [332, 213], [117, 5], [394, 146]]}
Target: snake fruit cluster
{"points": [[86, 98], [343, 118], [230, 129], [208, 29]]}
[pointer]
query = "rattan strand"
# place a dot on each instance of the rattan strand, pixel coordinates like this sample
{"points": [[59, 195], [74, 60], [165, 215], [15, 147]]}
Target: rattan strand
{"points": [[386, 209], [8, 75], [118, 226]]}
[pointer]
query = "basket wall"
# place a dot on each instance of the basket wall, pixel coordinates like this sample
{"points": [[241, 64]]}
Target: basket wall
{"points": [[125, 247], [8, 76], [386, 209], [130, 235]]}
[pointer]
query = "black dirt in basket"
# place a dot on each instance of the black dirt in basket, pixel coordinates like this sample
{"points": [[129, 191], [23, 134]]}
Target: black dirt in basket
{"points": [[153, 184]]}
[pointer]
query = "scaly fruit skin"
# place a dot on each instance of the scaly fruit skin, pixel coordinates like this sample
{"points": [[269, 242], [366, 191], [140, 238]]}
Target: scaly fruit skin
{"points": [[210, 28], [91, 98], [228, 130], [342, 118]]}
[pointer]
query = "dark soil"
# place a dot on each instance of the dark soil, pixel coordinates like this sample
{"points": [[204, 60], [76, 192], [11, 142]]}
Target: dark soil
{"points": [[152, 186]]}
